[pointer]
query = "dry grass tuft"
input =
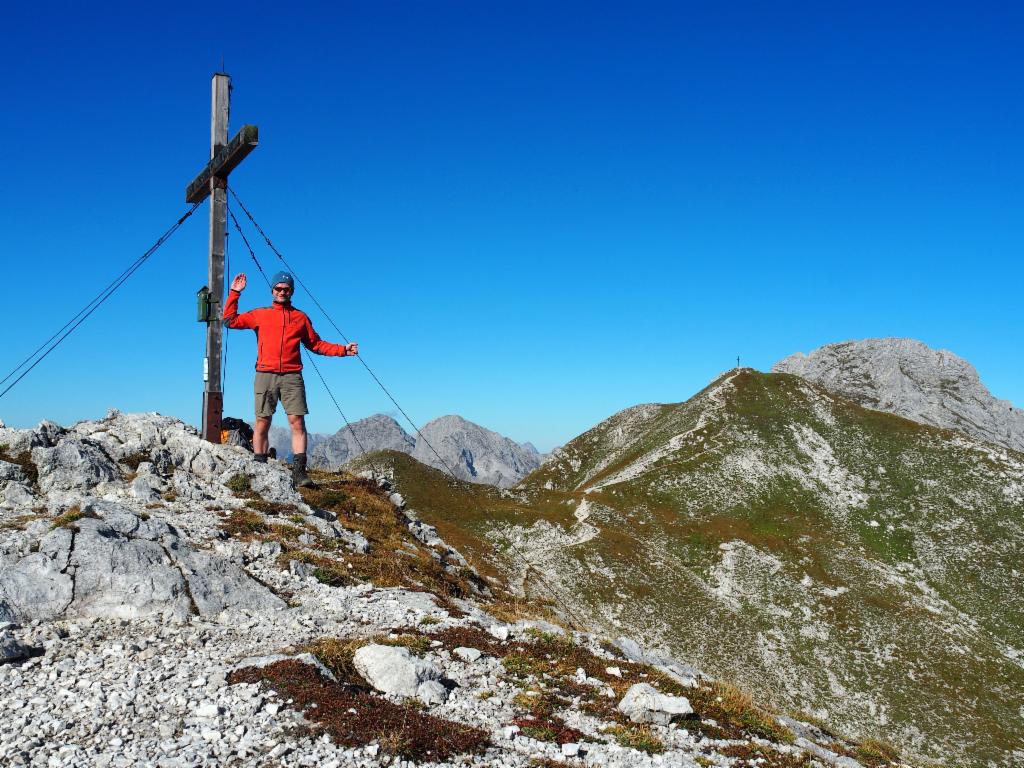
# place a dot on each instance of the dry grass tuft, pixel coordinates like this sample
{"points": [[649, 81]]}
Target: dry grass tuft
{"points": [[272, 507], [71, 516], [242, 524], [17, 523], [636, 737], [876, 753], [239, 484], [417, 644], [735, 712], [337, 654]]}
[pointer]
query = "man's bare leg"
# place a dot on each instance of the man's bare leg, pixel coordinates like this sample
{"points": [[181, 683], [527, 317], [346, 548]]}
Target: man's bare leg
{"points": [[261, 435], [298, 425]]}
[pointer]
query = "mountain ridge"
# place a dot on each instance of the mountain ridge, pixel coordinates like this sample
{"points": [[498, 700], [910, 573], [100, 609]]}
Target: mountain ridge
{"points": [[769, 524]]}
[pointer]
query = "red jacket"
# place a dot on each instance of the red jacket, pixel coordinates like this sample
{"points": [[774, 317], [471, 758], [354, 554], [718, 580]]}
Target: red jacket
{"points": [[280, 328]]}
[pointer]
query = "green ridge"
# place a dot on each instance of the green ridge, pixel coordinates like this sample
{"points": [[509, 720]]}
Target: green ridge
{"points": [[841, 561]]}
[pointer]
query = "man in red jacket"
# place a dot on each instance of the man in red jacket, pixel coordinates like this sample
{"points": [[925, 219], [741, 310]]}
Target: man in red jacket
{"points": [[280, 328]]}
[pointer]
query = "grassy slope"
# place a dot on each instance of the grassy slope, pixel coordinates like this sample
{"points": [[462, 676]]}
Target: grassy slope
{"points": [[868, 565]]}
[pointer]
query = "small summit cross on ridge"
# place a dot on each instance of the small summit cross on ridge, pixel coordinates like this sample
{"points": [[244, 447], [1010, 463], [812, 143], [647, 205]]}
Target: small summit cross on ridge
{"points": [[212, 181]]}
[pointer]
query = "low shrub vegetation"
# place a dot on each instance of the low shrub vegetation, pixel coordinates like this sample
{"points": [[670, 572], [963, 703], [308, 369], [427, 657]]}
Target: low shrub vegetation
{"points": [[354, 717], [239, 484], [273, 507]]}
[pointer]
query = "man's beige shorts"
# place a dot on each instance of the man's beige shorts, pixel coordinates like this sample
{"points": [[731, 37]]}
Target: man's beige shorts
{"points": [[289, 388]]}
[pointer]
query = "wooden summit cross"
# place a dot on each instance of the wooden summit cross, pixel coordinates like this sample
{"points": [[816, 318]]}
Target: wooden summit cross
{"points": [[213, 181]]}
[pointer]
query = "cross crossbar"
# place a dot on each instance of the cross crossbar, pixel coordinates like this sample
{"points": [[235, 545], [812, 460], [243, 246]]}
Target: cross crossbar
{"points": [[224, 162]]}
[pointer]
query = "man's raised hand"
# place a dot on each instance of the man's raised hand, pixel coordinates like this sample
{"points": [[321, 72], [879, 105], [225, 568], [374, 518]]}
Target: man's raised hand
{"points": [[238, 284], [352, 349]]}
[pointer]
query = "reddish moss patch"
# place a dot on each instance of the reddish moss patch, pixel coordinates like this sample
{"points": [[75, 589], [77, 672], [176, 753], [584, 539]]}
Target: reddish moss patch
{"points": [[400, 730], [272, 507], [471, 637], [755, 756], [242, 524]]}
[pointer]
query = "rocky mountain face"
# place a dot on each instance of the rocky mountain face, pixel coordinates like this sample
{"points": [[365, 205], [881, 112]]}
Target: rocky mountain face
{"points": [[468, 450], [474, 453], [168, 602], [281, 441], [842, 561], [376, 433], [908, 378]]}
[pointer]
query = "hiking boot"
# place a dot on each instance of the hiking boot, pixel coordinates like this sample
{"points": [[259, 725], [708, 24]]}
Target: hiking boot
{"points": [[299, 477], [260, 458]]}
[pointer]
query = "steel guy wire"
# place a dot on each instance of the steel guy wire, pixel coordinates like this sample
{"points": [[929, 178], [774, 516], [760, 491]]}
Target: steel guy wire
{"points": [[71, 325]]}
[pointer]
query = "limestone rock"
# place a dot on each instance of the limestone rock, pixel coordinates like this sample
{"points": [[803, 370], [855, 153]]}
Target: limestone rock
{"points": [[394, 670], [117, 565], [119, 576], [216, 584], [73, 464], [14, 495], [425, 533], [432, 692], [37, 586], [9, 472], [643, 703], [468, 655], [11, 649]]}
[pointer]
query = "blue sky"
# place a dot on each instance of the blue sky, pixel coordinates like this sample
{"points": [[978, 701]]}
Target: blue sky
{"points": [[530, 214]]}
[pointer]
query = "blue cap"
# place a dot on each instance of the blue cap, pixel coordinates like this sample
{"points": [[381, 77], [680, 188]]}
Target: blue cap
{"points": [[282, 277]]}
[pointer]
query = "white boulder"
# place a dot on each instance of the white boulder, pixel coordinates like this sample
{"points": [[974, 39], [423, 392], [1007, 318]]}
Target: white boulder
{"points": [[468, 655], [391, 669], [643, 703]]}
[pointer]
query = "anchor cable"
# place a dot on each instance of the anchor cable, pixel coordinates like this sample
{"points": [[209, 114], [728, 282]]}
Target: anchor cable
{"points": [[71, 325]]}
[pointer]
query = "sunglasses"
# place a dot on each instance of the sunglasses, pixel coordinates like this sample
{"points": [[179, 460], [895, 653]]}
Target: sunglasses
{"points": [[284, 289]]}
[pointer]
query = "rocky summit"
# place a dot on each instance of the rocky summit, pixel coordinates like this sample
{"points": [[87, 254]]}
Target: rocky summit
{"points": [[908, 378], [168, 602], [451, 443], [844, 562]]}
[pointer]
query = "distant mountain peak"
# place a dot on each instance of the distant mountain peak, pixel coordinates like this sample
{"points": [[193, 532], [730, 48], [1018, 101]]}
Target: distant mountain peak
{"points": [[910, 379], [466, 449]]}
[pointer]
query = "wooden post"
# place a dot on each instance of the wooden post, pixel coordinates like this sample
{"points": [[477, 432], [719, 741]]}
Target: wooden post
{"points": [[212, 181], [213, 394]]}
